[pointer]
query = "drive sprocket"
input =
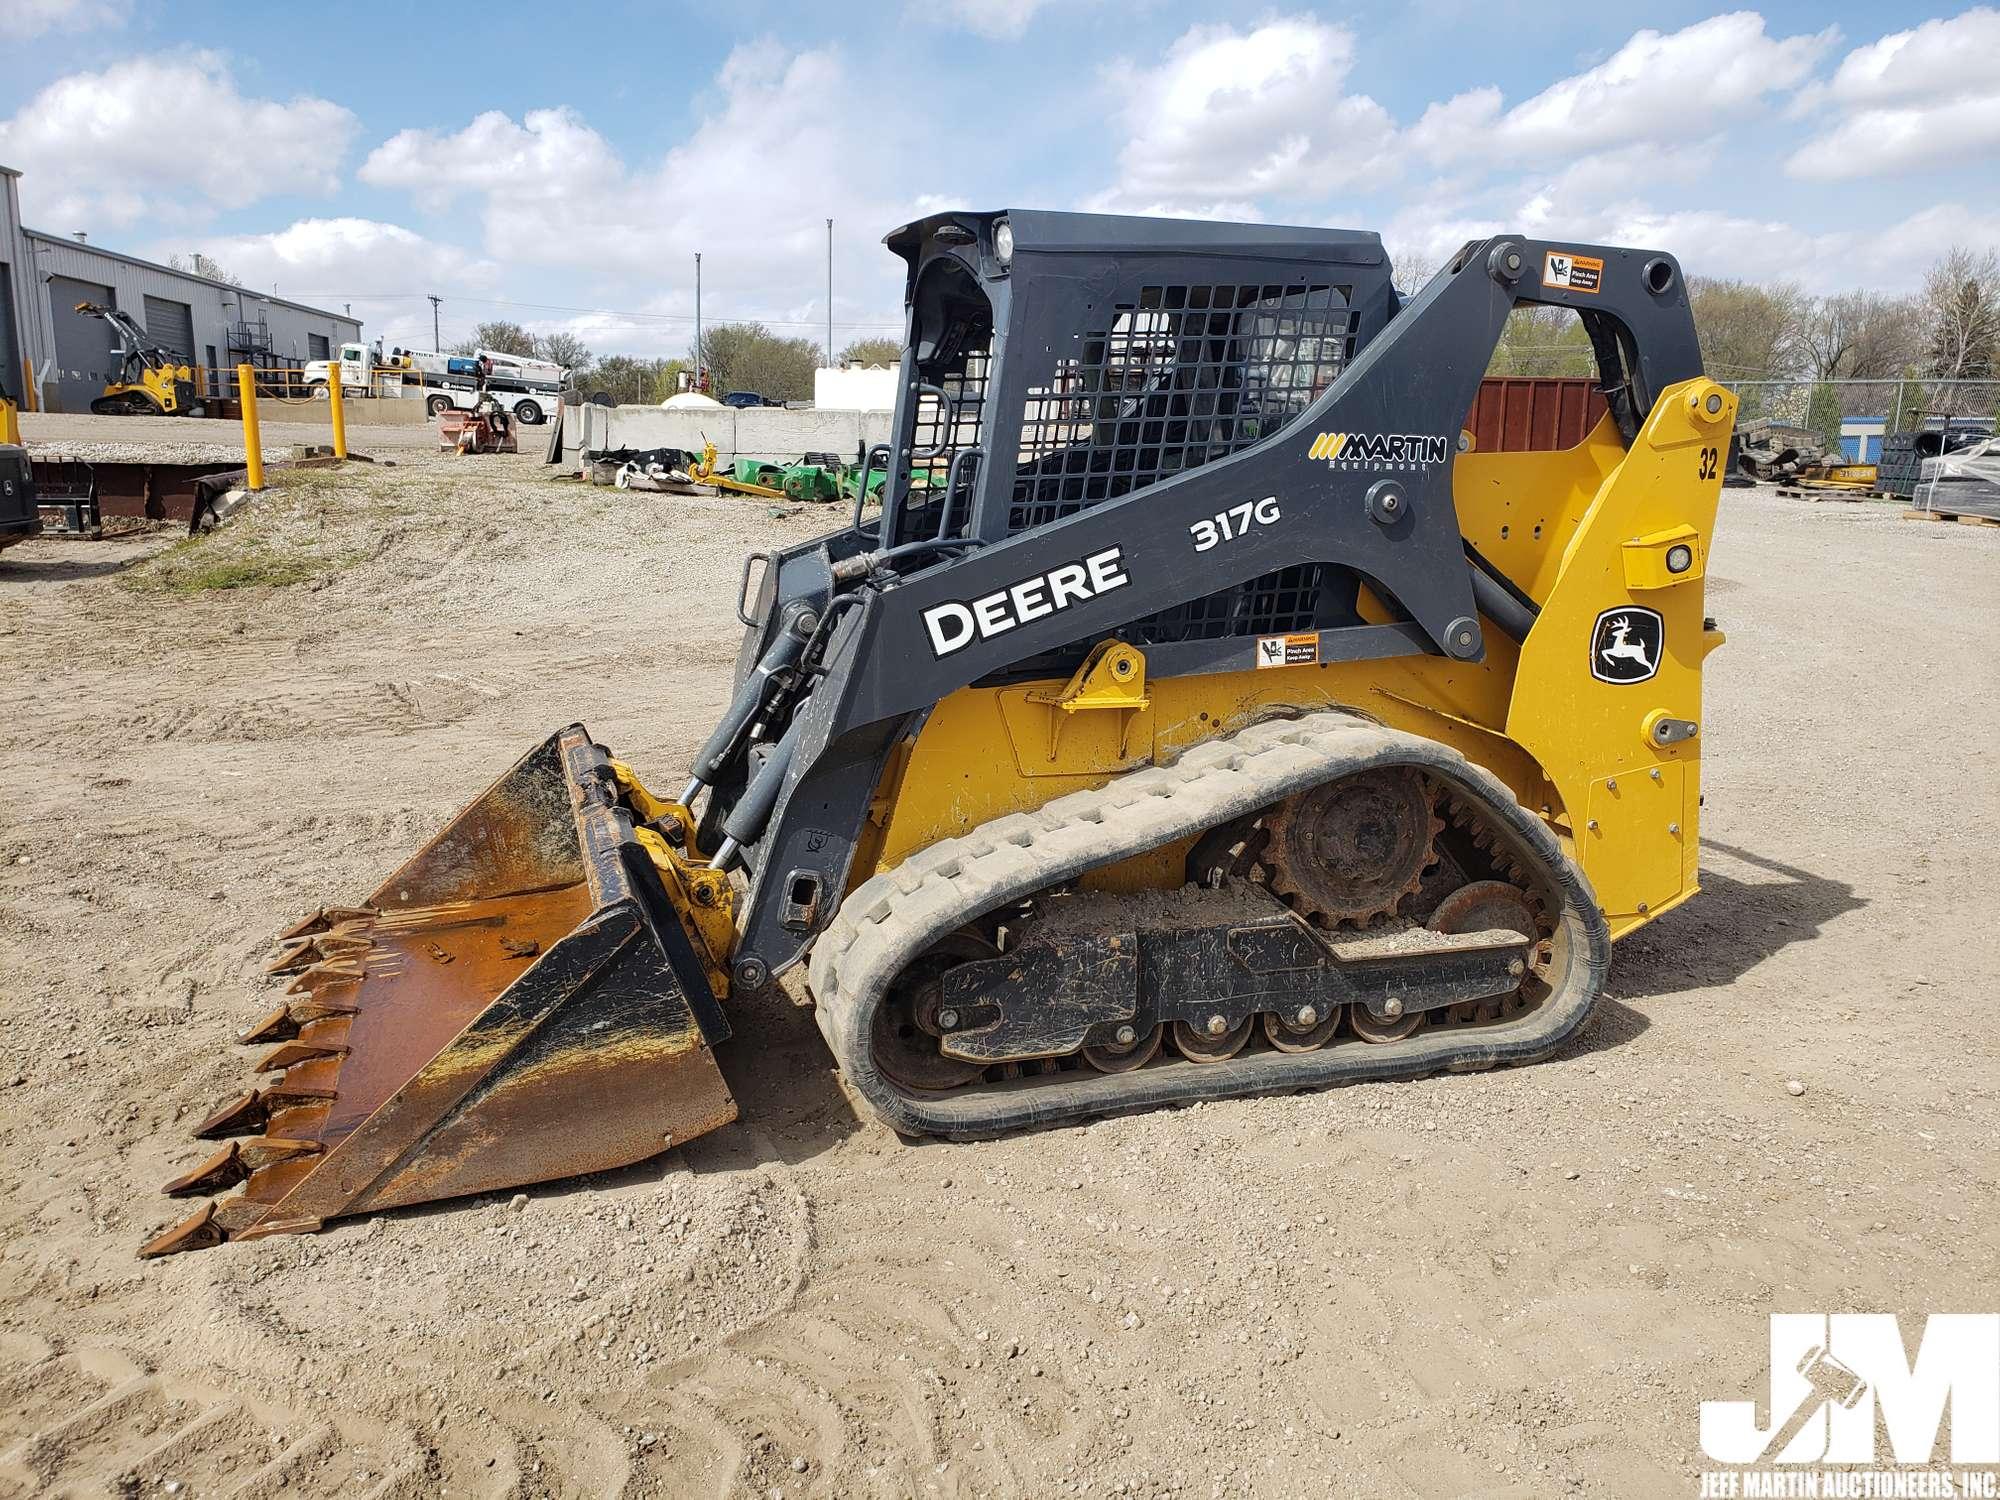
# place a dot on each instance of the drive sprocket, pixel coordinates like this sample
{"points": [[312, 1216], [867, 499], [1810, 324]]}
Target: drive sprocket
{"points": [[1351, 850]]}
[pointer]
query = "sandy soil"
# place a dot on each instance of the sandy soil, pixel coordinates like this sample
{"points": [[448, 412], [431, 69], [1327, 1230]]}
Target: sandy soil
{"points": [[1517, 1283]]}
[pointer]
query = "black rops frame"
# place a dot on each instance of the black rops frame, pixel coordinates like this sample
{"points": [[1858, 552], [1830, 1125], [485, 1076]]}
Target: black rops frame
{"points": [[1390, 519]]}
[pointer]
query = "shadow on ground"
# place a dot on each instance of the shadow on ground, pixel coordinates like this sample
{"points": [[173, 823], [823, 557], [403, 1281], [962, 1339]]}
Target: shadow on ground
{"points": [[1730, 927]]}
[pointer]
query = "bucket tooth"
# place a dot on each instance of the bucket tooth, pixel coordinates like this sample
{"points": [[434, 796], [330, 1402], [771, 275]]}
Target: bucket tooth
{"points": [[326, 919], [292, 1018], [198, 1231], [236, 1162], [290, 1054], [246, 1114], [327, 976], [279, 1026], [299, 953], [220, 1172]]}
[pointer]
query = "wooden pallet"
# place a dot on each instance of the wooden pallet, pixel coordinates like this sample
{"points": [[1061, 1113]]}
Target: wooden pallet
{"points": [[1831, 492], [1913, 514]]}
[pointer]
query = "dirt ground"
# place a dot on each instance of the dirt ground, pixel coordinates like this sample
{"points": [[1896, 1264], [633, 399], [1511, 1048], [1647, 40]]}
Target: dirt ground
{"points": [[1516, 1283]]}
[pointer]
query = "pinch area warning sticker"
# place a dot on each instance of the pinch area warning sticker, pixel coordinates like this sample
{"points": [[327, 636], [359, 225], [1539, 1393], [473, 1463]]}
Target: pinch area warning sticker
{"points": [[1287, 650], [1573, 273]]}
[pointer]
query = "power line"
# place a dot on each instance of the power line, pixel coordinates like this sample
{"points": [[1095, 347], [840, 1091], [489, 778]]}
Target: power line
{"points": [[602, 312]]}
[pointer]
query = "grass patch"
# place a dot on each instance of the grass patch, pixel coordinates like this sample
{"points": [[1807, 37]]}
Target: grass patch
{"points": [[308, 525], [250, 570]]}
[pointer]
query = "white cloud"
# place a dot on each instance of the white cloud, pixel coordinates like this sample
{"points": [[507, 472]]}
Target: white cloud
{"points": [[750, 189], [168, 137], [382, 269], [1228, 116], [550, 149], [1001, 20], [1912, 99], [1654, 88], [26, 19]]}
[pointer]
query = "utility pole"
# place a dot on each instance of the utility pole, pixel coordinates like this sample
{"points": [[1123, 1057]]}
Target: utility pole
{"points": [[829, 294], [698, 370], [436, 346]]}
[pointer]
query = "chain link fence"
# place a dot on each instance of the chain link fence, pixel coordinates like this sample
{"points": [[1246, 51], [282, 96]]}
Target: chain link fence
{"points": [[1830, 406]]}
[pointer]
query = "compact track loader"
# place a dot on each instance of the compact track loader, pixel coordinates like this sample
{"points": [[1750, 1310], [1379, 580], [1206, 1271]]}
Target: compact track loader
{"points": [[151, 381], [1202, 715]]}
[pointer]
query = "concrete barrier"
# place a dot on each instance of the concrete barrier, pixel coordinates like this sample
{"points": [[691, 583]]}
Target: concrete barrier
{"points": [[769, 433], [359, 412]]}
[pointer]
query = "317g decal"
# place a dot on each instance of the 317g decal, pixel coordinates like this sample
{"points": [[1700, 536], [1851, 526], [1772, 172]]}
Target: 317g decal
{"points": [[1228, 525]]}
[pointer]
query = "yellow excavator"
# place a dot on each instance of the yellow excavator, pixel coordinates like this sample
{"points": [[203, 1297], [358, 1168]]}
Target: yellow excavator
{"points": [[150, 382], [1202, 714]]}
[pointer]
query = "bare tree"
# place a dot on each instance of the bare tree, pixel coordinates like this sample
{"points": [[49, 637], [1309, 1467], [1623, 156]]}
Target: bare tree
{"points": [[1544, 341], [501, 338], [1961, 314], [873, 352], [1885, 335], [1856, 336], [1410, 269], [749, 357], [564, 349], [198, 264], [1748, 332]]}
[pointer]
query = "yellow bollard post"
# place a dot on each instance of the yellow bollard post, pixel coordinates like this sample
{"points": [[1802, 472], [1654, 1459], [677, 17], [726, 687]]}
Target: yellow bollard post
{"points": [[339, 414], [253, 445], [28, 385], [10, 427]]}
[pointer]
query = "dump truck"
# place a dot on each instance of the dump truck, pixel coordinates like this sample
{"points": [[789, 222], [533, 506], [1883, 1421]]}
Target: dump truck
{"points": [[1201, 715]]}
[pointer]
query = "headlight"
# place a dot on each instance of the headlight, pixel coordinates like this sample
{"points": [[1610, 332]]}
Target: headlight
{"points": [[1003, 242], [1680, 557]]}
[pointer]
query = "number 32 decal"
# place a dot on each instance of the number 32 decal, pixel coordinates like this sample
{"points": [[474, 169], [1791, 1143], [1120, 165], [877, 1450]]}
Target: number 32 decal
{"points": [[1705, 469], [1234, 522]]}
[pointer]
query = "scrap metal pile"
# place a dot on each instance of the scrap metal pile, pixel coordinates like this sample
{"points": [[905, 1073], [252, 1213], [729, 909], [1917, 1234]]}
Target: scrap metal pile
{"points": [[811, 478], [1774, 452]]}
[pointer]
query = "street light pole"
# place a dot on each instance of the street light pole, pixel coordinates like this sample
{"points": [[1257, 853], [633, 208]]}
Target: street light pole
{"points": [[829, 294], [436, 346], [698, 369]]}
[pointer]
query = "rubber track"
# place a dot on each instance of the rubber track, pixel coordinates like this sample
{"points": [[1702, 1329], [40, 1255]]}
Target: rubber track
{"points": [[896, 915]]}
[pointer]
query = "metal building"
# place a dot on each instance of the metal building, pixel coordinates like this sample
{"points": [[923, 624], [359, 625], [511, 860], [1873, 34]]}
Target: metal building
{"points": [[69, 358]]}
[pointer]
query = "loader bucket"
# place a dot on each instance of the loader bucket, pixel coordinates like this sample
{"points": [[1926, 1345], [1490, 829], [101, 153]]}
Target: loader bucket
{"points": [[519, 1002]]}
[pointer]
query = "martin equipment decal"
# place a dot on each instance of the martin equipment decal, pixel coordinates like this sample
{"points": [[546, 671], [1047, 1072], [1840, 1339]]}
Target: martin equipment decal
{"points": [[1379, 450], [1573, 273], [1626, 645], [956, 624], [1287, 650]]}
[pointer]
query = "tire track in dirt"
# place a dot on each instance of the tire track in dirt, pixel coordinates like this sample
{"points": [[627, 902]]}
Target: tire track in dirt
{"points": [[97, 1419]]}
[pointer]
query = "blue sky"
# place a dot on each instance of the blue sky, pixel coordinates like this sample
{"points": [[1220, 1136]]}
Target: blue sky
{"points": [[562, 171]]}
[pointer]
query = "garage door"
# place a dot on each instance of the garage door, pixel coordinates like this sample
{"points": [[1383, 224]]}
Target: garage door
{"points": [[172, 326], [86, 349]]}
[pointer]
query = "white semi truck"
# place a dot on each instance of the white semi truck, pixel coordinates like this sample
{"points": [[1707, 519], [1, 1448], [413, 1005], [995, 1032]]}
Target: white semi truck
{"points": [[529, 388]]}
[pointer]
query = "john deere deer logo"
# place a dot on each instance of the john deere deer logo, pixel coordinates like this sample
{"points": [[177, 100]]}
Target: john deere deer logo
{"points": [[1625, 647]]}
